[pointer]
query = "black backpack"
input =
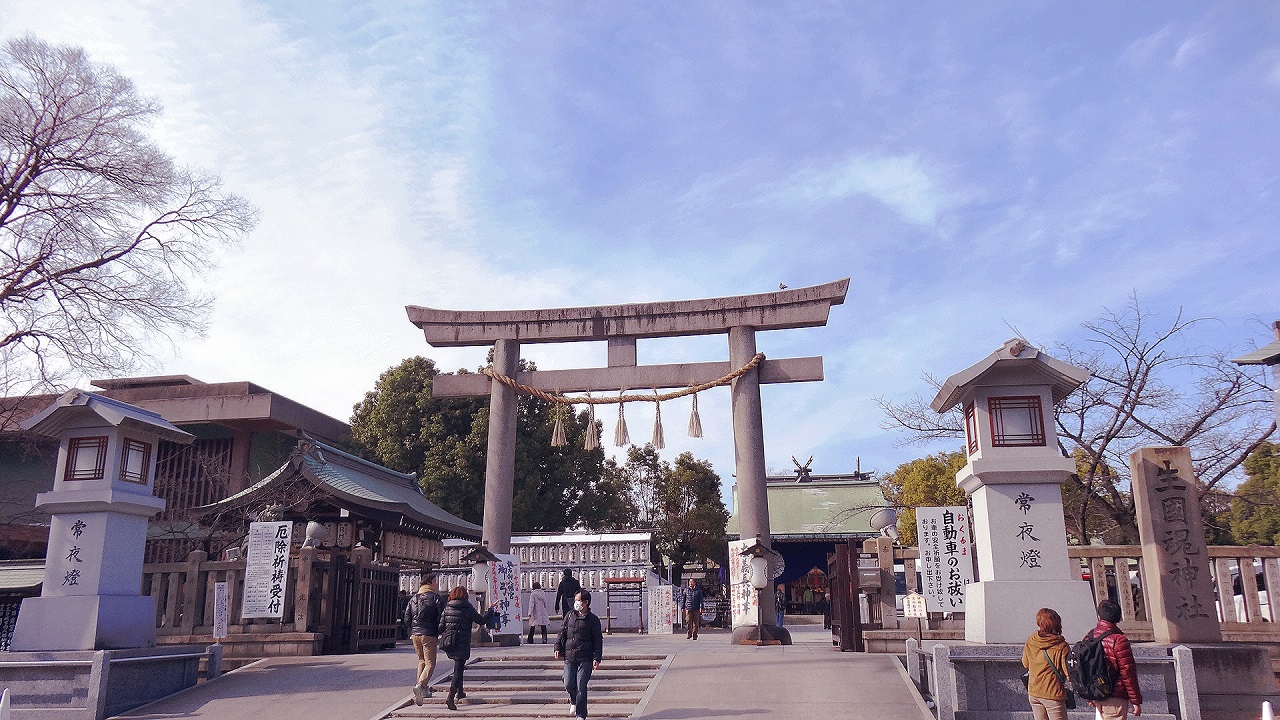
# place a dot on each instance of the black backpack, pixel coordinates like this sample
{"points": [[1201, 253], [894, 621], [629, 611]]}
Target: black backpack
{"points": [[1092, 676]]}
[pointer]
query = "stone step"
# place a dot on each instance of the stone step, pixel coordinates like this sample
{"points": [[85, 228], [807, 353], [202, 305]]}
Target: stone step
{"points": [[479, 673], [541, 687], [506, 712], [550, 697], [559, 664], [607, 658]]}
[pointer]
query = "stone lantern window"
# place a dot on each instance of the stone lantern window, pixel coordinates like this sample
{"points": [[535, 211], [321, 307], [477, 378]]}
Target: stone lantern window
{"points": [[86, 458], [135, 461], [971, 428], [1016, 421]]}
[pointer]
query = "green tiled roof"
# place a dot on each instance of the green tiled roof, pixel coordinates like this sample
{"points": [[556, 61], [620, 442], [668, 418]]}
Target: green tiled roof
{"points": [[362, 484], [809, 509], [21, 575]]}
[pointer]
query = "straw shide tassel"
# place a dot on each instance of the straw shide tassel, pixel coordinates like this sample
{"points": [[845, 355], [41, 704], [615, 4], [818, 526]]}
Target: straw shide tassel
{"points": [[658, 441], [695, 422], [558, 439], [620, 436], [591, 441]]}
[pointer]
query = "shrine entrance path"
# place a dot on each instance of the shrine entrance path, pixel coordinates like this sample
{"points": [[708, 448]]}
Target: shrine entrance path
{"points": [[706, 678]]}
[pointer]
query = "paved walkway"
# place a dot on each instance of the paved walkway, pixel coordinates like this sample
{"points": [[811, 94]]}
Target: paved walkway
{"points": [[706, 678]]}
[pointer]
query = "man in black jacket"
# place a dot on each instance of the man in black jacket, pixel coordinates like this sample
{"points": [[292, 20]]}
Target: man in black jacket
{"points": [[691, 600], [581, 644], [566, 592], [422, 617]]}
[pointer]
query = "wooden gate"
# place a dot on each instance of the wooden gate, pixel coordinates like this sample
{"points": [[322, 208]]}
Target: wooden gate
{"points": [[365, 608]]}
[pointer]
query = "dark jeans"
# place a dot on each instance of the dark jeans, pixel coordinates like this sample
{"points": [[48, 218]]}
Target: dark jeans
{"points": [[529, 641], [455, 687], [576, 675]]}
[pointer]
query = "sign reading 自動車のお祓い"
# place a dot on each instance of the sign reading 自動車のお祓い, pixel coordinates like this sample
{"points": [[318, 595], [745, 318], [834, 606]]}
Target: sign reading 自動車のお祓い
{"points": [[946, 556], [266, 570]]}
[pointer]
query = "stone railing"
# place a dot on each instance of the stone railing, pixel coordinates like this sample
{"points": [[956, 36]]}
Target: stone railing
{"points": [[1247, 616]]}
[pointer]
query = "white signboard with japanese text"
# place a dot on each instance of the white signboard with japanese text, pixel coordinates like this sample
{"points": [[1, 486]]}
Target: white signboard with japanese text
{"points": [[662, 610], [504, 594], [266, 570], [946, 556], [913, 606], [744, 601], [220, 619]]}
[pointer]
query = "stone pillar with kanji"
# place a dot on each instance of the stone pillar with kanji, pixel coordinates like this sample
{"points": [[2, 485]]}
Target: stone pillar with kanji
{"points": [[1014, 478], [1174, 551], [100, 505]]}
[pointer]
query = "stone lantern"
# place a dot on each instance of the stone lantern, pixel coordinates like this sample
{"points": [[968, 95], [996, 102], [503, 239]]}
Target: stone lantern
{"points": [[101, 502], [1014, 477]]}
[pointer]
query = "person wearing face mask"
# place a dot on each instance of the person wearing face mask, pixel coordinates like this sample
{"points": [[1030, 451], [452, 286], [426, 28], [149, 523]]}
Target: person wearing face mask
{"points": [[581, 646]]}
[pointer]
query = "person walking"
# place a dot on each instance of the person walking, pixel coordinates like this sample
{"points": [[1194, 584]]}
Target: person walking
{"points": [[691, 601], [422, 618], [581, 646], [455, 637], [779, 603], [1115, 645], [1044, 655], [566, 592], [538, 616]]}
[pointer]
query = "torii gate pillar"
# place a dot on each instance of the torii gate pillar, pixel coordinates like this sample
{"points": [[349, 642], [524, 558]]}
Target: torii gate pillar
{"points": [[500, 458], [748, 443]]}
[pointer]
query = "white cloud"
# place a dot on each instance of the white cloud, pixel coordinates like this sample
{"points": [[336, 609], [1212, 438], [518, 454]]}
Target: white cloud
{"points": [[903, 183]]}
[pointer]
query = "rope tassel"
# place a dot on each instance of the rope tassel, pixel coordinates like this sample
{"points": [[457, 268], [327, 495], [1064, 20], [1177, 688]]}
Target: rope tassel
{"points": [[658, 441], [620, 436], [695, 422], [591, 441], [558, 439]]}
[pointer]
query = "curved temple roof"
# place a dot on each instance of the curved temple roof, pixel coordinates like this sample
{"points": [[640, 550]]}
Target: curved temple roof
{"points": [[784, 309], [358, 483]]}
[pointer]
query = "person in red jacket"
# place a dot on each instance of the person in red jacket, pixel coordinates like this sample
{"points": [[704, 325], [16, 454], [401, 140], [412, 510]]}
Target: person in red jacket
{"points": [[1120, 656]]}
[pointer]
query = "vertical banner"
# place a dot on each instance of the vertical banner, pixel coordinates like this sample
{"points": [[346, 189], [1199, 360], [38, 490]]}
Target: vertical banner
{"points": [[946, 556], [266, 570], [743, 599], [662, 610], [504, 591], [220, 619]]}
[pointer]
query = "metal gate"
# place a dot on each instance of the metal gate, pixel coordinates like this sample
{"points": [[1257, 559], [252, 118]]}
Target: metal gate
{"points": [[365, 608]]}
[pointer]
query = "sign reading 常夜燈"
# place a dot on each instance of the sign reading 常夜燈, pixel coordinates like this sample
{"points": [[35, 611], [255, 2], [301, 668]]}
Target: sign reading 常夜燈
{"points": [[946, 556], [504, 593], [266, 570]]}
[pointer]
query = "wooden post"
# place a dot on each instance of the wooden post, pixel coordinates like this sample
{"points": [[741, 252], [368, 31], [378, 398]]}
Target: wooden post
{"points": [[191, 589], [856, 608], [302, 590]]}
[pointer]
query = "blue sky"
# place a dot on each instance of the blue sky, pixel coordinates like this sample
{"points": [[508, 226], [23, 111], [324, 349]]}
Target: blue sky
{"points": [[973, 167]]}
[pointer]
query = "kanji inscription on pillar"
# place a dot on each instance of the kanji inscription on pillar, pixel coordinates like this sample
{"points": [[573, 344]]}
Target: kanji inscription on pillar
{"points": [[1174, 550]]}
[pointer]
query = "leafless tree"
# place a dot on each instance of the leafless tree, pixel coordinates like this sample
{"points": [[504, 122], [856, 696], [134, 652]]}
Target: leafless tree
{"points": [[1145, 388], [100, 230]]}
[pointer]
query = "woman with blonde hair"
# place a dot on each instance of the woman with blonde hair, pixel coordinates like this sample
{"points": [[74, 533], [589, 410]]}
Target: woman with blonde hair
{"points": [[1045, 657]]}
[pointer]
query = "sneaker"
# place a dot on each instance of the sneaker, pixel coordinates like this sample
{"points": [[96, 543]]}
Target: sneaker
{"points": [[461, 695], [417, 694], [426, 691], [573, 710]]}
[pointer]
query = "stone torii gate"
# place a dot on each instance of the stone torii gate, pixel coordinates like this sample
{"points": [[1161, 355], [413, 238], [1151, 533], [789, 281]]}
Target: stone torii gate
{"points": [[621, 326]]}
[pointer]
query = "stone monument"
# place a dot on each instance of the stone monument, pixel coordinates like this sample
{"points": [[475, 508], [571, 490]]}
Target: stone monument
{"points": [[1174, 551], [101, 502], [1014, 477]]}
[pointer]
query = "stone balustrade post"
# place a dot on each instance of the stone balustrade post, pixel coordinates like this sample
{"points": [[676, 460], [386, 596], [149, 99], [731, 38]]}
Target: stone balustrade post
{"points": [[192, 589]]}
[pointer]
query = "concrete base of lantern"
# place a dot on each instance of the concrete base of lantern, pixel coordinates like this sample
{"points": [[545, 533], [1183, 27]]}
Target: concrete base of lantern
{"points": [[85, 622], [760, 635], [1004, 611]]}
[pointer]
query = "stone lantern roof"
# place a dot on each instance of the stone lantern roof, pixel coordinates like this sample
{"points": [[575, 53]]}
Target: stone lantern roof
{"points": [[1266, 355], [1016, 361], [78, 408]]}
